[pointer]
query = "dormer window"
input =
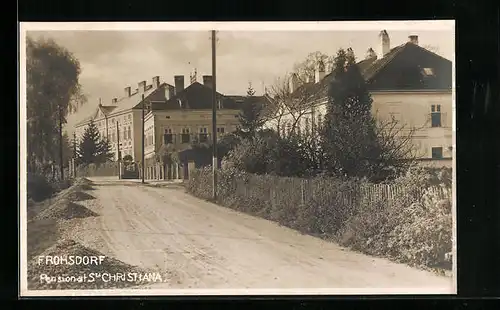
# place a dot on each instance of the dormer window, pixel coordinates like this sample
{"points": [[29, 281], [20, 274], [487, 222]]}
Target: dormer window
{"points": [[428, 72]]}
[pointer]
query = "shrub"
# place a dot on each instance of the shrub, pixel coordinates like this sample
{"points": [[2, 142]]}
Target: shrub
{"points": [[414, 228], [408, 220], [38, 188]]}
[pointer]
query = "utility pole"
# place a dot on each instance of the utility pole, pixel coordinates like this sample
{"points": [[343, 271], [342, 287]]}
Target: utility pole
{"points": [[118, 155], [214, 117], [142, 139]]}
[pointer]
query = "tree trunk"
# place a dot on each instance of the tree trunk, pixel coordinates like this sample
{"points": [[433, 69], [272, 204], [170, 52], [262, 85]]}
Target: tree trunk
{"points": [[61, 144]]}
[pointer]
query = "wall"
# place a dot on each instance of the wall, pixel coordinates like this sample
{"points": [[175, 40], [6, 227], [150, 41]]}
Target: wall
{"points": [[411, 108], [193, 120], [414, 110], [149, 130]]}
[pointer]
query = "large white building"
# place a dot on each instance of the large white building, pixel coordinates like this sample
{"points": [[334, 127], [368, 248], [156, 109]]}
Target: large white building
{"points": [[407, 82]]}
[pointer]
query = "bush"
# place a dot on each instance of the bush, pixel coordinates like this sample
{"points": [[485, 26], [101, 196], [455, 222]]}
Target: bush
{"points": [[415, 228], [408, 220], [270, 155], [38, 188]]}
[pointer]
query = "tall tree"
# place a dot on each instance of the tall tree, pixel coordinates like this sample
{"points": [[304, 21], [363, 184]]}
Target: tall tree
{"points": [[349, 138], [353, 142], [53, 90], [92, 148], [251, 115]]}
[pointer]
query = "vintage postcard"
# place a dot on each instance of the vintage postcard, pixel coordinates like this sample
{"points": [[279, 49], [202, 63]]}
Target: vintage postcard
{"points": [[262, 158]]}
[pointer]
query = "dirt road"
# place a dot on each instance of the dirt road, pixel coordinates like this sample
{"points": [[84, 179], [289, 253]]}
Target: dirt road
{"points": [[201, 245]]}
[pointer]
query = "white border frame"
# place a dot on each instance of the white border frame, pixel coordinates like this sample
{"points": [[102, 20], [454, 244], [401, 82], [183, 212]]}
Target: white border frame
{"points": [[207, 26]]}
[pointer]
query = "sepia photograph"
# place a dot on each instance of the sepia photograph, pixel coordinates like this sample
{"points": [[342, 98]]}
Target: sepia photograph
{"points": [[256, 158]]}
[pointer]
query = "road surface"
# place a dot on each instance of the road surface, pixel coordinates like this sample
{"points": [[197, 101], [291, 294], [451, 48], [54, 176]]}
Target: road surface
{"points": [[202, 245]]}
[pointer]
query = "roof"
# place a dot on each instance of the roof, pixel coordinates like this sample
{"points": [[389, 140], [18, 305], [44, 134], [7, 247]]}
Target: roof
{"points": [[370, 69], [198, 97], [123, 104]]}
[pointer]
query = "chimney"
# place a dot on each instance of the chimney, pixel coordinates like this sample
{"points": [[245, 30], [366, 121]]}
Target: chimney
{"points": [[413, 39], [385, 44], [179, 83], [370, 54], [128, 91], [114, 100], [156, 81], [293, 82], [208, 81], [319, 72], [142, 86]]}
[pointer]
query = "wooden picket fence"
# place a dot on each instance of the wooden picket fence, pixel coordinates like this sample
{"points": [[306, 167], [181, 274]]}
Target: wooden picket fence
{"points": [[301, 191]]}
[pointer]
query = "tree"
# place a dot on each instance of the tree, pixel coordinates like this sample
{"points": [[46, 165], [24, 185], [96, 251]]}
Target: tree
{"points": [[349, 138], [288, 108], [305, 69], [53, 90], [353, 142], [93, 149], [67, 149], [251, 115]]}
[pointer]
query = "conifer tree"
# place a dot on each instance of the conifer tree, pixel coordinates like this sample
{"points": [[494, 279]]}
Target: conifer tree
{"points": [[92, 148], [349, 139], [250, 116]]}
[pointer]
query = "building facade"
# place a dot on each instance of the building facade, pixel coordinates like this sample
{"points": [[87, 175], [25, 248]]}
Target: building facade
{"points": [[175, 117], [121, 121], [407, 83]]}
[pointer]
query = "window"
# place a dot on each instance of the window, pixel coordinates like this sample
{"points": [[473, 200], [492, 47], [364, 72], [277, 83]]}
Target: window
{"points": [[167, 116], [320, 119], [203, 135], [129, 132], [185, 137], [168, 137], [307, 127], [151, 141], [129, 117], [437, 152], [220, 130], [427, 72], [436, 115]]}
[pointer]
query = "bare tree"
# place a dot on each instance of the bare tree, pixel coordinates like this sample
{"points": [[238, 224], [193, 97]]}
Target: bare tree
{"points": [[290, 106], [397, 146], [306, 68], [432, 48]]}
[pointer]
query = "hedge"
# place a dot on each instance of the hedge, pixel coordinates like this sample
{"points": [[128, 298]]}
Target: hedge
{"points": [[408, 220]]}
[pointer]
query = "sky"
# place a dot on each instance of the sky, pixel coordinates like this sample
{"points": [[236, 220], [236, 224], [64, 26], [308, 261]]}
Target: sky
{"points": [[113, 60]]}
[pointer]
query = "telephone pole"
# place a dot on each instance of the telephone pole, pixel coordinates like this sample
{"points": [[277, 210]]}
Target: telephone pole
{"points": [[143, 142], [214, 117], [118, 155]]}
